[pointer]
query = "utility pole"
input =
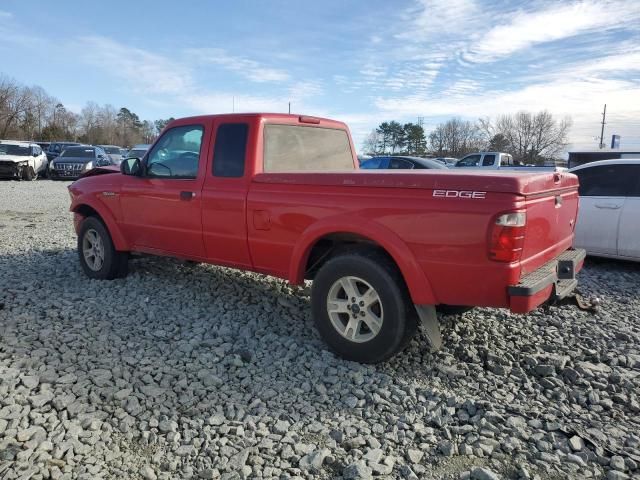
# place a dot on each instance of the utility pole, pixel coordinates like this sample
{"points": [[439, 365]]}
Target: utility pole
{"points": [[604, 115], [289, 107]]}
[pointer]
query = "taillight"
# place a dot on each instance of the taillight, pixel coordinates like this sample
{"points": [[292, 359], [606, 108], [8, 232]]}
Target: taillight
{"points": [[507, 237]]}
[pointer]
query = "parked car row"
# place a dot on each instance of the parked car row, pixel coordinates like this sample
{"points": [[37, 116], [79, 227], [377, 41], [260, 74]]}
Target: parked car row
{"points": [[58, 160], [479, 160]]}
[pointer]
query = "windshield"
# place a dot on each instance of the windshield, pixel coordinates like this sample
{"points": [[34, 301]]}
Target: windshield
{"points": [[112, 150], [77, 152], [19, 150]]}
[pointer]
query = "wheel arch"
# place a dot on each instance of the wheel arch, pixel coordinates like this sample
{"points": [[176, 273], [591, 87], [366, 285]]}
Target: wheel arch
{"points": [[343, 233], [86, 209]]}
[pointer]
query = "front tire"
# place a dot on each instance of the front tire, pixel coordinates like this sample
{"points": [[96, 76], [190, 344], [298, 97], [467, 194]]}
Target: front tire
{"points": [[29, 174], [98, 256], [361, 307]]}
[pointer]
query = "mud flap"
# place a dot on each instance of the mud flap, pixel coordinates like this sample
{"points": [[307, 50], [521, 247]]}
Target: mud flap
{"points": [[430, 326]]}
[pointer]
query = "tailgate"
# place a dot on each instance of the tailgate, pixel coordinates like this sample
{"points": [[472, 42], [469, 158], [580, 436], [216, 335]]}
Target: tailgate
{"points": [[552, 207]]}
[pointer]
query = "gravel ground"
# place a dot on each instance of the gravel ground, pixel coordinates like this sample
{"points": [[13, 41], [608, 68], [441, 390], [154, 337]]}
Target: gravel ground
{"points": [[182, 371]]}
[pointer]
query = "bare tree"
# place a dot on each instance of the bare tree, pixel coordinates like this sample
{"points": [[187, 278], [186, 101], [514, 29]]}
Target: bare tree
{"points": [[534, 138], [370, 143], [455, 138], [15, 101]]}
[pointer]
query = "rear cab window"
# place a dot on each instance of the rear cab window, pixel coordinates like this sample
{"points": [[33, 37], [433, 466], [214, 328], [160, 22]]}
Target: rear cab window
{"points": [[489, 160], [294, 148]]}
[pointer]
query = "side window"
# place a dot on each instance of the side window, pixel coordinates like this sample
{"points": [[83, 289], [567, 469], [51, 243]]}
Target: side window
{"points": [[371, 164], [230, 150], [488, 160], [177, 153], [634, 173], [605, 181], [399, 163], [469, 161], [56, 148]]}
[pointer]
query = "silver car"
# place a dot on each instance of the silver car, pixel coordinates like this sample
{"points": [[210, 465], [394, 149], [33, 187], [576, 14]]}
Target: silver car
{"points": [[114, 153]]}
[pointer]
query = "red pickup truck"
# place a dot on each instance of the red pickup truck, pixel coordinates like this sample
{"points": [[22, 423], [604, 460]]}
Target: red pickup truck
{"points": [[282, 195]]}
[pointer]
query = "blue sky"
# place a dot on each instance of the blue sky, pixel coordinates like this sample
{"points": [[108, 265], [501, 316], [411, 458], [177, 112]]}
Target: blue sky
{"points": [[359, 61]]}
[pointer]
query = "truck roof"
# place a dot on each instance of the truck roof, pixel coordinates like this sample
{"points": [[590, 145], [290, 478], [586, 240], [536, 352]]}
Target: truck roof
{"points": [[276, 117]]}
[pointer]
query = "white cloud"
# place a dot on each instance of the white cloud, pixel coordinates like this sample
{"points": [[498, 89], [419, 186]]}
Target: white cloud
{"points": [[430, 18], [569, 96], [226, 102], [526, 29], [249, 69], [4, 14], [143, 71]]}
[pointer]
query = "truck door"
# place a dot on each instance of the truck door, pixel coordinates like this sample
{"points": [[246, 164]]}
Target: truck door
{"points": [[161, 210], [629, 231], [224, 196]]}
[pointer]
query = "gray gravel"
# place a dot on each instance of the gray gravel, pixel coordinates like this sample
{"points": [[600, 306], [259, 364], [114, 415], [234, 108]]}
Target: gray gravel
{"points": [[182, 371]]}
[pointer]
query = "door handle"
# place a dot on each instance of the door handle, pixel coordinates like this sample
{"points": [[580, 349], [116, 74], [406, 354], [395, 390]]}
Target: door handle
{"points": [[187, 195], [608, 206]]}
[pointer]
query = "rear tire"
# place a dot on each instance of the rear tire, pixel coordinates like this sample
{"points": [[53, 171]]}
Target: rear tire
{"points": [[379, 323], [98, 256]]}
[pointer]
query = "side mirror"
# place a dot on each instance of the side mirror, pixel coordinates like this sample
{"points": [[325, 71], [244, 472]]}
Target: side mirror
{"points": [[131, 166]]}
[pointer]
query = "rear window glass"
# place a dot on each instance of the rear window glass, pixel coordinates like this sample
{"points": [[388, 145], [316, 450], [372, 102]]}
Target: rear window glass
{"points": [[296, 148]]}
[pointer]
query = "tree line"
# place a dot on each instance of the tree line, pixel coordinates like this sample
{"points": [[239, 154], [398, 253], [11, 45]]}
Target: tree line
{"points": [[30, 113], [532, 138]]}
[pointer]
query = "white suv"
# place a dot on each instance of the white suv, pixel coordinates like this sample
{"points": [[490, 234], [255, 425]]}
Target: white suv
{"points": [[21, 160]]}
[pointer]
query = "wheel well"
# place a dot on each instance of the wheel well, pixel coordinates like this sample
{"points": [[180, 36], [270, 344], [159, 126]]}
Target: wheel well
{"points": [[331, 245], [87, 211]]}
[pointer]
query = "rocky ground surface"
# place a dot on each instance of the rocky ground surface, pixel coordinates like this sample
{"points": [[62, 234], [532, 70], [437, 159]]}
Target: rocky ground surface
{"points": [[200, 372]]}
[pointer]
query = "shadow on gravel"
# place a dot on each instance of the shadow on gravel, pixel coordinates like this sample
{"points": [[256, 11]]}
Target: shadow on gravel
{"points": [[186, 338]]}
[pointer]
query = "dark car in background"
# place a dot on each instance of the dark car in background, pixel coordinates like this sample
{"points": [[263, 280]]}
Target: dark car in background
{"points": [[401, 163], [44, 146], [75, 160], [56, 147]]}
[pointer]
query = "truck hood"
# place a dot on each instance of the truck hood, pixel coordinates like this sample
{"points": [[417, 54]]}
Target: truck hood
{"points": [[14, 158], [101, 171], [521, 183]]}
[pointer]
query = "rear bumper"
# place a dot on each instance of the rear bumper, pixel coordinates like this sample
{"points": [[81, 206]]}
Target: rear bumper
{"points": [[555, 279]]}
